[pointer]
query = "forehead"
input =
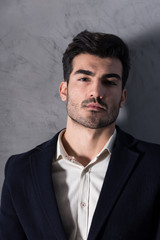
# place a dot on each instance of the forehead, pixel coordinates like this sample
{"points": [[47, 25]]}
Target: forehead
{"points": [[91, 62]]}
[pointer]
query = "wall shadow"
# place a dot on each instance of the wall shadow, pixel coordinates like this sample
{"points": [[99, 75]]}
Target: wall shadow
{"points": [[143, 99]]}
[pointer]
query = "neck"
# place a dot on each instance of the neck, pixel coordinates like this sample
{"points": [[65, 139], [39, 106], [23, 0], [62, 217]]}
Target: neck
{"points": [[85, 143]]}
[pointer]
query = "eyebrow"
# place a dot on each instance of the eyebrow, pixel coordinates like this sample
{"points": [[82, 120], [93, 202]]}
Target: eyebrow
{"points": [[112, 75], [89, 73], [86, 72]]}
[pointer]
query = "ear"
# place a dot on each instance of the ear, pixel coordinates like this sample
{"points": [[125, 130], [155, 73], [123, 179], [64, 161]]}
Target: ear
{"points": [[63, 91], [123, 97]]}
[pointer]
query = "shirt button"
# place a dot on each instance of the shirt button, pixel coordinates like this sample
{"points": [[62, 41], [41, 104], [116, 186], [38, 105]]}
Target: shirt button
{"points": [[83, 204]]}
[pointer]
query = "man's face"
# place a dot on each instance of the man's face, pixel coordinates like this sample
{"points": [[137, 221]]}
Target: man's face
{"points": [[94, 93]]}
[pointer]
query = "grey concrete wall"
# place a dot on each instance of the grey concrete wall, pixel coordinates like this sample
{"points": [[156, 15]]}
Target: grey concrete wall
{"points": [[33, 36]]}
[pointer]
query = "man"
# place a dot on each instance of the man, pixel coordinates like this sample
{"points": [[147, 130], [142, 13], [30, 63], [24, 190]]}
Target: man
{"points": [[91, 181]]}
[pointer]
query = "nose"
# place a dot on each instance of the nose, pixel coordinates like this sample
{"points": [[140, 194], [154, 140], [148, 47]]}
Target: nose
{"points": [[96, 90]]}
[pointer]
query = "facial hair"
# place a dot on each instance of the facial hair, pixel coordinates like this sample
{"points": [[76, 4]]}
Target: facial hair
{"points": [[94, 120]]}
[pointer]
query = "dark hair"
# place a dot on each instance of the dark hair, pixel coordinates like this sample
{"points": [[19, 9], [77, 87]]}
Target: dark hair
{"points": [[99, 44]]}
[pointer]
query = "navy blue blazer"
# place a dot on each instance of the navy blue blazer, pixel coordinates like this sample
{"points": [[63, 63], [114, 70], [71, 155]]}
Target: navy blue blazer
{"points": [[128, 207]]}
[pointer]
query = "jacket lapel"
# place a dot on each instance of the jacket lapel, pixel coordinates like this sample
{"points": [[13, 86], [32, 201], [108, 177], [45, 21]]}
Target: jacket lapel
{"points": [[41, 167], [121, 165]]}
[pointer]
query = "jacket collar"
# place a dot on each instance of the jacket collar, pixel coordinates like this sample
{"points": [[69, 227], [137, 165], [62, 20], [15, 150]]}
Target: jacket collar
{"points": [[123, 159], [41, 167]]}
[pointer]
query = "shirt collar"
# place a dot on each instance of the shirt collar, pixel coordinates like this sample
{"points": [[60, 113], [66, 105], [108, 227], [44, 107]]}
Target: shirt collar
{"points": [[61, 152], [109, 144]]}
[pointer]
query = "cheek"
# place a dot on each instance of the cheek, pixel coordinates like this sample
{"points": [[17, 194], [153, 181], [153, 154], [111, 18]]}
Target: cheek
{"points": [[73, 98], [113, 98], [112, 94], [76, 94]]}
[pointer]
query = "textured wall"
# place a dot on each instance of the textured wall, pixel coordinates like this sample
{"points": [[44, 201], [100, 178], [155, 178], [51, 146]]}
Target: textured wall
{"points": [[33, 36]]}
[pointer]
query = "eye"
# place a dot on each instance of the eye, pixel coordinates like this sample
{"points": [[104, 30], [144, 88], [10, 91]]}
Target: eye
{"points": [[84, 79], [109, 83]]}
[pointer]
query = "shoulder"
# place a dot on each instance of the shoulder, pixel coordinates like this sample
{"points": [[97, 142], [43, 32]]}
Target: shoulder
{"points": [[148, 149], [146, 155], [130, 139], [19, 163]]}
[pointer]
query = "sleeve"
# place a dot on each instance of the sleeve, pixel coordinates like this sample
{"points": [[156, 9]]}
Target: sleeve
{"points": [[10, 227]]}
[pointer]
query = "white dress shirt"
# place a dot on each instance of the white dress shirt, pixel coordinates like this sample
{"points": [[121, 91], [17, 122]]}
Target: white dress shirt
{"points": [[77, 188]]}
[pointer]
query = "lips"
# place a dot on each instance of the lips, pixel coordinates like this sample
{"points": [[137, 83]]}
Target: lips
{"points": [[95, 107]]}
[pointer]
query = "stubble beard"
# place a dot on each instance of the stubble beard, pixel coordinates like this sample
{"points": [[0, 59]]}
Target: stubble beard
{"points": [[93, 120]]}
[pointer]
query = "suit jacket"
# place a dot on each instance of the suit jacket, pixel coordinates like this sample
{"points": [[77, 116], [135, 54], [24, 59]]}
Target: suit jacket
{"points": [[128, 207]]}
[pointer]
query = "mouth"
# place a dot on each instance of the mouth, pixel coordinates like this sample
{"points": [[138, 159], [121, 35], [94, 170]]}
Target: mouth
{"points": [[95, 107]]}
